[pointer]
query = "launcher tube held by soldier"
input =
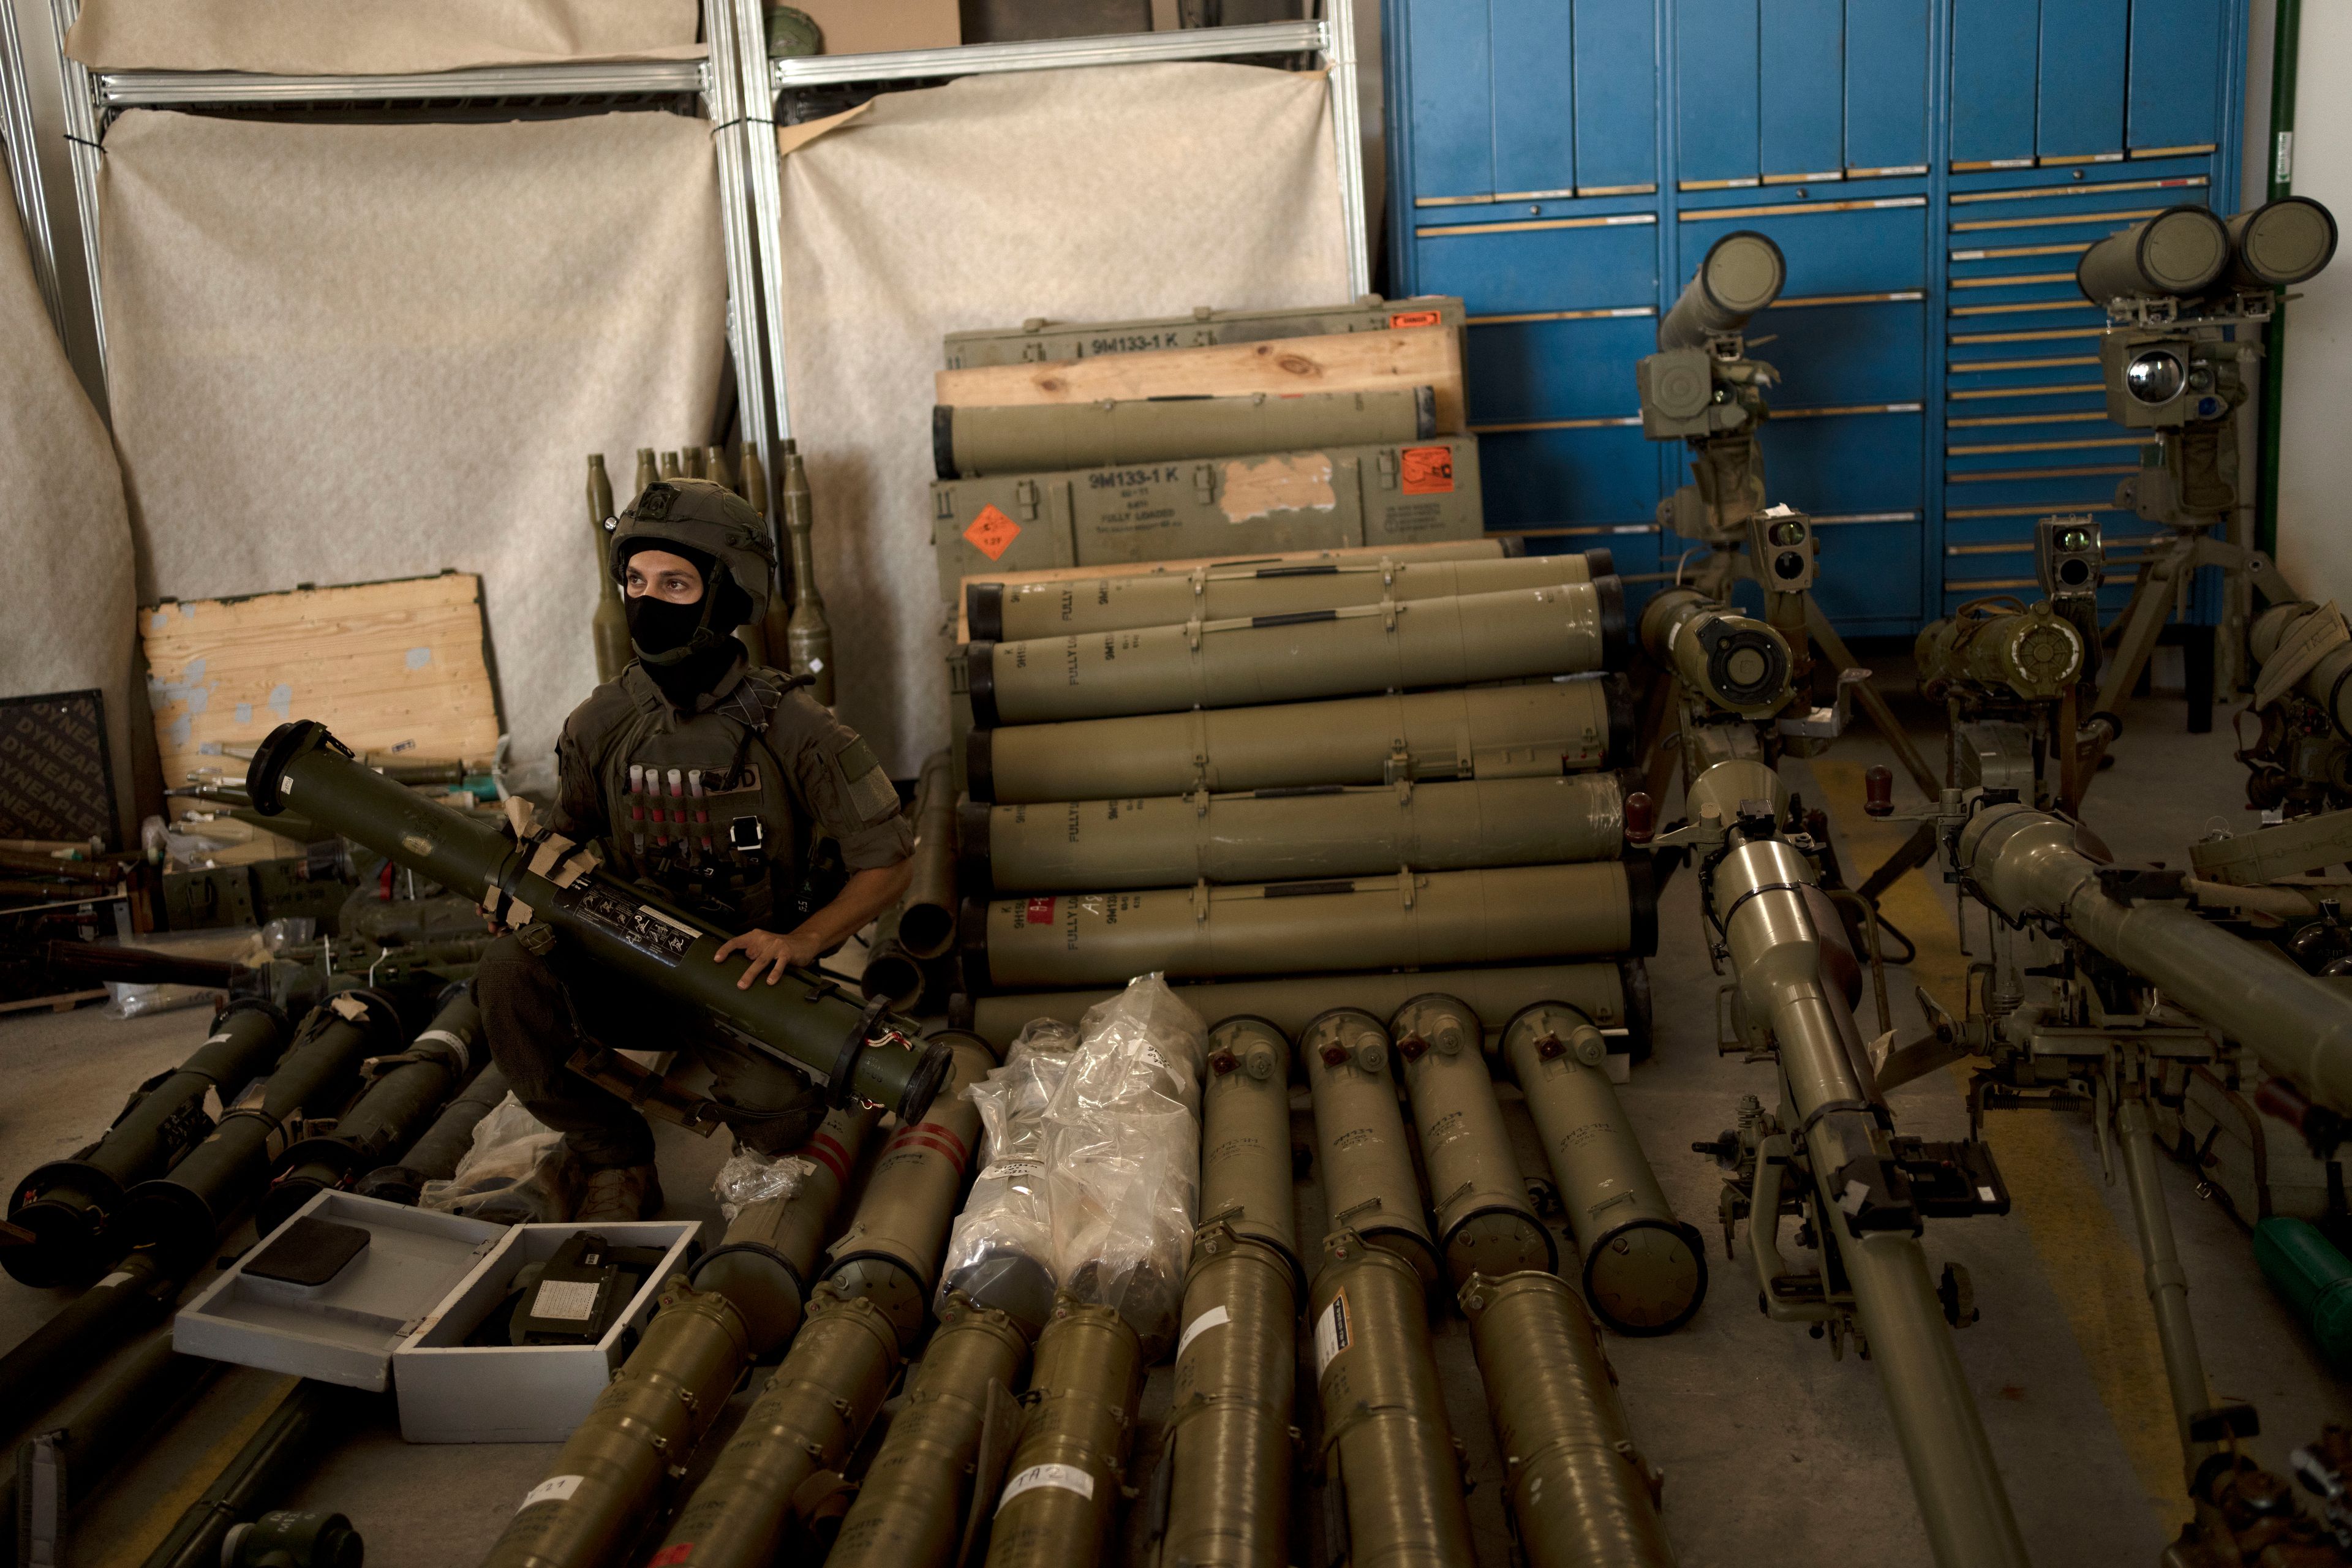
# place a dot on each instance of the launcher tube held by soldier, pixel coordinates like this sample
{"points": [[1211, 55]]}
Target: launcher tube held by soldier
{"points": [[731, 816]]}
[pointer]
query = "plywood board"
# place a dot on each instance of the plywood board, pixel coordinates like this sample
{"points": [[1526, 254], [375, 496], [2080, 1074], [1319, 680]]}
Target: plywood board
{"points": [[393, 668], [1353, 362]]}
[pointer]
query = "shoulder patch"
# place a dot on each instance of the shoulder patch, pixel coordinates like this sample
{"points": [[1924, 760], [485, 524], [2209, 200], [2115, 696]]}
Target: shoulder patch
{"points": [[869, 788]]}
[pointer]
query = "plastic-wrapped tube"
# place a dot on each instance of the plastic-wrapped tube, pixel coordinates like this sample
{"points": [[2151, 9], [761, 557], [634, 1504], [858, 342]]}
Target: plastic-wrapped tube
{"points": [[1001, 1250], [1123, 1158]]}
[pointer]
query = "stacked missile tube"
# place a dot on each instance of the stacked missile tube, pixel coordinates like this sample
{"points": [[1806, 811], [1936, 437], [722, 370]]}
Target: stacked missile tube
{"points": [[1375, 764]]}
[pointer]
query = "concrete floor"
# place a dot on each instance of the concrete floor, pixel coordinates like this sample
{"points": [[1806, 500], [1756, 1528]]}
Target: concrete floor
{"points": [[1774, 1452]]}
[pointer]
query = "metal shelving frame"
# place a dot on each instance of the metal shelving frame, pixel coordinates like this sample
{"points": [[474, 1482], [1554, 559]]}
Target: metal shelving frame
{"points": [[94, 99], [1332, 38]]}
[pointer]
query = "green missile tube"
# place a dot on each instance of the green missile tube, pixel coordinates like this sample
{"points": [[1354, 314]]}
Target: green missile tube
{"points": [[1064, 1479], [136, 1294], [1229, 1412], [1245, 1163], [971, 441], [68, 1204], [927, 921], [2300, 1027], [2280, 244], [912, 1501], [1757, 895], [1315, 830], [1733, 661], [2033, 654], [1741, 274], [1409, 919], [1362, 1154], [1644, 1270], [1485, 1223], [1612, 996], [607, 1482], [434, 1157], [1386, 1439], [808, 1419], [2181, 250], [1580, 1494], [2303, 1267], [180, 1214], [764, 1265], [890, 1254], [1017, 612], [1562, 628], [386, 1117], [892, 975], [806, 1019], [1530, 729]]}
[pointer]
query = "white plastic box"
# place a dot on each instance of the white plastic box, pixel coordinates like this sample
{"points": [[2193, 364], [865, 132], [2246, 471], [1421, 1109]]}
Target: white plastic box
{"points": [[398, 1314]]}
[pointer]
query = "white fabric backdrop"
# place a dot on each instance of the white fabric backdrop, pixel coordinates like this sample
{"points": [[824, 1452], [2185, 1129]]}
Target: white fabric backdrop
{"points": [[376, 37], [341, 353], [1092, 194], [67, 620]]}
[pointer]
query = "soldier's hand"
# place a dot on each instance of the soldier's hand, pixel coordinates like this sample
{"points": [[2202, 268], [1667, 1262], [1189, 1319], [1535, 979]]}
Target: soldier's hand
{"points": [[769, 951]]}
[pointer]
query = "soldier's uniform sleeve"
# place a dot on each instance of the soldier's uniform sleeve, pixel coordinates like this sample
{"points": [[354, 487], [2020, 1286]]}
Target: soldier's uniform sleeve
{"points": [[579, 813], [837, 779]]}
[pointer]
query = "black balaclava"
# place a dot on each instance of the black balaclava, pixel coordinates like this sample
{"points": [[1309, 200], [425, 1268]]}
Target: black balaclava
{"points": [[686, 648]]}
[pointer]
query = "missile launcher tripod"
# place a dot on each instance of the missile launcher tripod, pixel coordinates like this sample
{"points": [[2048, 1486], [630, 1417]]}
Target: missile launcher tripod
{"points": [[2091, 1035]]}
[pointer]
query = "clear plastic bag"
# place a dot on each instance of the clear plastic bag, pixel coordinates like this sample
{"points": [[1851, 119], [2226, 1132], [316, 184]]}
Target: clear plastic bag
{"points": [[514, 1173], [128, 1001], [1122, 1150], [1001, 1252], [750, 1178]]}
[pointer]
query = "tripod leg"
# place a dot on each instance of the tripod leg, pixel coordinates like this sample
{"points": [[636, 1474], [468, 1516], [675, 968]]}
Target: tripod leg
{"points": [[2197, 650], [2168, 1282], [1871, 702]]}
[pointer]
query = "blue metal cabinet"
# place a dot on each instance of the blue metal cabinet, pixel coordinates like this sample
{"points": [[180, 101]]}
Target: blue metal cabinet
{"points": [[1617, 98], [1564, 368], [1873, 244], [1715, 76], [1533, 71], [1868, 351], [1996, 51], [1563, 164], [1885, 86], [1540, 264], [2174, 89], [2082, 108], [1602, 474], [1800, 71], [1453, 103]]}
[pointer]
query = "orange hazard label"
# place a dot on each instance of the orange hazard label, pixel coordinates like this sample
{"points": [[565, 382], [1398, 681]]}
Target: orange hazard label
{"points": [[1428, 471], [993, 534], [1414, 319], [676, 1552], [1039, 912]]}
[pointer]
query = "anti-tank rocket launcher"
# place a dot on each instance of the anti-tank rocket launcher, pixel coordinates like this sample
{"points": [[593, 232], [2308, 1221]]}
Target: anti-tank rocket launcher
{"points": [[1828, 1150], [554, 891], [2141, 992]]}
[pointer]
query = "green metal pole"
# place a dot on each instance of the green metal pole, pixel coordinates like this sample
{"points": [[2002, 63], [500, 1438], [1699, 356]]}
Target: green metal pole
{"points": [[2286, 32]]}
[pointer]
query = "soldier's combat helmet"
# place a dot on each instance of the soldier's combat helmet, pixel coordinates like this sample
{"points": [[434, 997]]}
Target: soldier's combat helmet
{"points": [[709, 522]]}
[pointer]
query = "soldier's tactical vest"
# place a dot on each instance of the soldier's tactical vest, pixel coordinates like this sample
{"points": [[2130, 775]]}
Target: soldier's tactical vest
{"points": [[705, 811]]}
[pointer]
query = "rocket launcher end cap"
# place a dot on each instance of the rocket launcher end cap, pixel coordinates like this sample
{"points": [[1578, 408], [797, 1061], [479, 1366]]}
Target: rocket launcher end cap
{"points": [[1641, 898], [264, 779], [983, 611], [1616, 647], [271, 1010], [1623, 721], [1646, 1278], [1599, 561], [980, 679], [979, 765], [973, 819]]}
